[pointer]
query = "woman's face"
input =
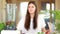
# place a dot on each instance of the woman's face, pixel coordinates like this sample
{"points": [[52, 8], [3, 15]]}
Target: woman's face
{"points": [[31, 8]]}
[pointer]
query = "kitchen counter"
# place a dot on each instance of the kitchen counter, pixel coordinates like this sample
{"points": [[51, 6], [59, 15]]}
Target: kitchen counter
{"points": [[10, 32]]}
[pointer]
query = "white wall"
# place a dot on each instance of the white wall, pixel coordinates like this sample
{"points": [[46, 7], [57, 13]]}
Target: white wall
{"points": [[23, 8], [2, 10]]}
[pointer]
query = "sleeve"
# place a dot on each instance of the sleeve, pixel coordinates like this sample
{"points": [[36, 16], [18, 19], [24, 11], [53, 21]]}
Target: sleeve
{"points": [[41, 22]]}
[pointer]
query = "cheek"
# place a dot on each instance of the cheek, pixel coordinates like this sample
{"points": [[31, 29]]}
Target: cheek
{"points": [[33, 9]]}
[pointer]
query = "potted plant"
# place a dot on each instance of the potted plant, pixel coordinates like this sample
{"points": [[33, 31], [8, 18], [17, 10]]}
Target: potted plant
{"points": [[57, 20], [2, 26]]}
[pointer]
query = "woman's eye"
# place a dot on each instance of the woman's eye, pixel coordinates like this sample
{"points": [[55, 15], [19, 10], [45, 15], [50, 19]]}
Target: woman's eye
{"points": [[32, 7]]}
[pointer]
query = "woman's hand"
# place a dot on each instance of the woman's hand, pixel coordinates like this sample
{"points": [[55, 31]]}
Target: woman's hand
{"points": [[43, 30], [46, 31]]}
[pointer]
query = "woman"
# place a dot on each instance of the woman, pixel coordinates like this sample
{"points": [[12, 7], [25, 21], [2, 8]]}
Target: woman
{"points": [[32, 23]]}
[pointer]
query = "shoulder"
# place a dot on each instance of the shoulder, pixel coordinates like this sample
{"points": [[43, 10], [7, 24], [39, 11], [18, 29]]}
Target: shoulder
{"points": [[41, 16], [22, 20], [20, 24]]}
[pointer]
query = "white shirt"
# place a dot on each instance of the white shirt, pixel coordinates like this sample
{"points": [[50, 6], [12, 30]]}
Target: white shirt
{"points": [[40, 24]]}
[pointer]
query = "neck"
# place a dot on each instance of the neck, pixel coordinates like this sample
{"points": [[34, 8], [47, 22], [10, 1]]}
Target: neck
{"points": [[32, 15]]}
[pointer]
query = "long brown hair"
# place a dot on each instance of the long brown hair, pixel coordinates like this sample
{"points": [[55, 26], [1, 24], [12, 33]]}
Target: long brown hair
{"points": [[27, 20]]}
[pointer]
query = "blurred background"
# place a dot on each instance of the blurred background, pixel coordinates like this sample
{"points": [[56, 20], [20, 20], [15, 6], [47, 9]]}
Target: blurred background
{"points": [[11, 11]]}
